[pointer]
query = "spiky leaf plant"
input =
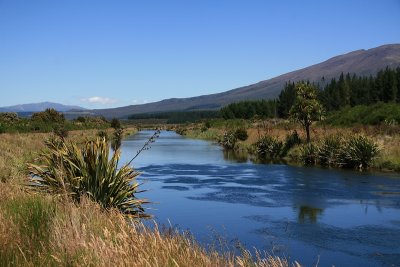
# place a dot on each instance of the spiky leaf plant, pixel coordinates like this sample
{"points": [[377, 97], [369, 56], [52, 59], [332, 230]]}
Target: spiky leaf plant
{"points": [[88, 171], [268, 147], [359, 152], [309, 154], [330, 150]]}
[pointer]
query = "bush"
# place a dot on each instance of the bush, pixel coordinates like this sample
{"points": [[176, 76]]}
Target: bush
{"points": [[49, 115], [9, 117], [228, 140], [115, 123], [241, 134], [60, 131], [102, 134], [309, 154], [330, 150], [268, 147], [359, 152], [379, 113], [291, 140], [88, 171]]}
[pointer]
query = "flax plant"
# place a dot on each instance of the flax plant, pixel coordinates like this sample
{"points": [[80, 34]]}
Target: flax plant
{"points": [[88, 172]]}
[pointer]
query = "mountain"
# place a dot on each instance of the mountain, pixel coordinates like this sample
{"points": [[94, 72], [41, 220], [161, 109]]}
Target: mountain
{"points": [[360, 62], [35, 107]]}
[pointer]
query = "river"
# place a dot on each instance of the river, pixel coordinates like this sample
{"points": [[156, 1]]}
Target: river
{"points": [[333, 217]]}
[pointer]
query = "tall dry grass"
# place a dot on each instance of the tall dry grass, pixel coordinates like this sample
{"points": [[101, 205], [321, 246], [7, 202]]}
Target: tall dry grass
{"points": [[41, 230], [37, 230]]}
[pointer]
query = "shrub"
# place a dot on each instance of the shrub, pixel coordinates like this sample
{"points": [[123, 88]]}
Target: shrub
{"points": [[330, 150], [309, 154], [359, 152], [60, 131], [88, 171], [9, 117], [102, 134], [241, 134], [228, 140], [117, 139], [115, 123], [291, 140], [268, 147], [49, 115], [181, 131]]}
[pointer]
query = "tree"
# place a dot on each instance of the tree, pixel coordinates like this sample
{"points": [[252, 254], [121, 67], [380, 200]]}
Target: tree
{"points": [[115, 123], [306, 107]]}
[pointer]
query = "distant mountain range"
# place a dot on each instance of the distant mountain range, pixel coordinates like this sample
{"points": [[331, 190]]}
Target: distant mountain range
{"points": [[360, 62], [36, 107]]}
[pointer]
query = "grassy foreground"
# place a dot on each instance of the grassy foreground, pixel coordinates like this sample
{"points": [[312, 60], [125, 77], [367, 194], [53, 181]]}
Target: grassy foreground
{"points": [[42, 230]]}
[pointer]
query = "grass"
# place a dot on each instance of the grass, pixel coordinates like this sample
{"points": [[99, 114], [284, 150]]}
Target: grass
{"points": [[386, 136], [38, 229]]}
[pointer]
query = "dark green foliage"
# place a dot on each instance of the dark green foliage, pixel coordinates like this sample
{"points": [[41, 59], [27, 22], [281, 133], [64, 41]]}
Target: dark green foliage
{"points": [[286, 100], [117, 139], [88, 171], [358, 90], [9, 117], [268, 147], [49, 116], [291, 140], [181, 131], [178, 116], [228, 140], [309, 154], [241, 134], [355, 152], [306, 107], [250, 109], [60, 131], [379, 113], [102, 134], [359, 152], [115, 123], [330, 151]]}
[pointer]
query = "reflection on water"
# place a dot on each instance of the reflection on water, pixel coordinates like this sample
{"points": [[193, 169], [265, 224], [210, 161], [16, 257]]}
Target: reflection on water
{"points": [[240, 156], [309, 214], [346, 218]]}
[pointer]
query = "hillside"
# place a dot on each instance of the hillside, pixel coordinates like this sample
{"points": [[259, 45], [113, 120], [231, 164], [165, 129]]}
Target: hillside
{"points": [[35, 107], [361, 62]]}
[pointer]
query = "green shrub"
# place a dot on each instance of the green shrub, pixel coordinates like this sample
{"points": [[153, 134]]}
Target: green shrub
{"points": [[268, 147], [60, 131], [291, 140], [49, 115], [309, 154], [115, 123], [241, 134], [378, 113], [359, 152], [329, 151], [87, 171], [102, 134], [228, 140]]}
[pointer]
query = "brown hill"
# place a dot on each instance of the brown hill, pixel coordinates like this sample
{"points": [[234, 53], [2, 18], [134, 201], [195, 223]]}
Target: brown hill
{"points": [[360, 62]]}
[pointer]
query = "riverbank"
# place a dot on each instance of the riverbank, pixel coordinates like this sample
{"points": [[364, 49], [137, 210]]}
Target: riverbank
{"points": [[40, 229], [386, 138]]}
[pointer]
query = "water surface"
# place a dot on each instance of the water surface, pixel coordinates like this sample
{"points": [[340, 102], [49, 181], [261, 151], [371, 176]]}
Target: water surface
{"points": [[345, 218]]}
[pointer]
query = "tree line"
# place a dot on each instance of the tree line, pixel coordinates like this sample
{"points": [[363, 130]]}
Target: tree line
{"points": [[346, 91]]}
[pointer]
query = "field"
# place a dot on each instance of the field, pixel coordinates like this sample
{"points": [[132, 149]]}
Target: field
{"points": [[45, 230]]}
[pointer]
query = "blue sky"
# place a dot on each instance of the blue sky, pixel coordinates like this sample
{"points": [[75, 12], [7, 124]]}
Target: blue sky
{"points": [[96, 53]]}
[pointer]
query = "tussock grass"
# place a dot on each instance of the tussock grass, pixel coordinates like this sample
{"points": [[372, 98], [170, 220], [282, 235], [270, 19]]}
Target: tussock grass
{"points": [[39, 229]]}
